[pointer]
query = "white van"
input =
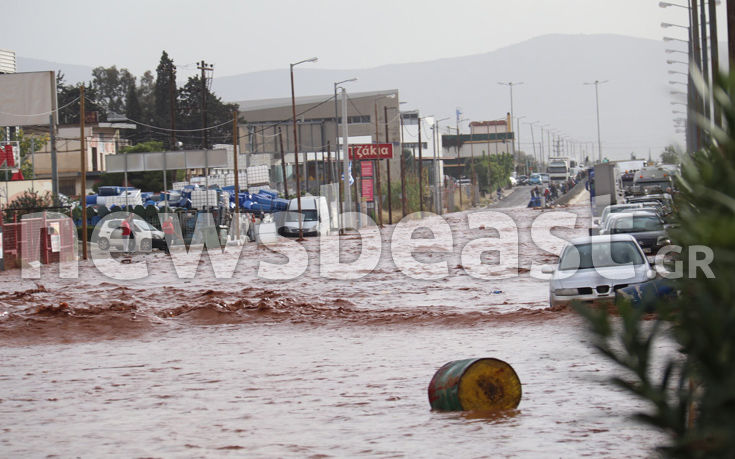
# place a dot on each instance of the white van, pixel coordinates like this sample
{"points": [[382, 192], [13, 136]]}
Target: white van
{"points": [[315, 221]]}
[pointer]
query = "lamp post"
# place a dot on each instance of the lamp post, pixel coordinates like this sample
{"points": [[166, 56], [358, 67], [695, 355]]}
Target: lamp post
{"points": [[518, 132], [597, 83], [337, 144], [378, 202], [437, 178], [336, 111], [533, 141], [387, 164], [296, 145], [510, 85]]}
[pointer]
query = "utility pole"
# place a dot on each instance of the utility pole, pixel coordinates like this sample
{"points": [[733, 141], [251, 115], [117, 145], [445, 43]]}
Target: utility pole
{"points": [[378, 206], [54, 168], [421, 175], [235, 142], [730, 30], [345, 160], [204, 67], [283, 163], [83, 156], [387, 165], [714, 49], [705, 65], [403, 173], [172, 103], [697, 54]]}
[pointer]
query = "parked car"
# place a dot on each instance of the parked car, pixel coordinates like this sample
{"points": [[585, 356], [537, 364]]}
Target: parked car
{"points": [[315, 219], [535, 179], [145, 236], [646, 226], [545, 178], [662, 200], [593, 268], [614, 209], [523, 180]]}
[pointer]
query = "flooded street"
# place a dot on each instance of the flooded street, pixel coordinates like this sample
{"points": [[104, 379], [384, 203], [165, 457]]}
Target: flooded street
{"points": [[309, 367]]}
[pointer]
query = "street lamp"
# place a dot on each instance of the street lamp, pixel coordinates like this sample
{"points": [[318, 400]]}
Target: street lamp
{"points": [[378, 203], [675, 39], [336, 143], [597, 83], [336, 112], [533, 140], [434, 136], [510, 85], [387, 140], [666, 25], [296, 145], [667, 4]]}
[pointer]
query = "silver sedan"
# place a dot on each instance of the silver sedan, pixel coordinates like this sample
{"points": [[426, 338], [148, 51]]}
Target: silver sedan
{"points": [[592, 268]]}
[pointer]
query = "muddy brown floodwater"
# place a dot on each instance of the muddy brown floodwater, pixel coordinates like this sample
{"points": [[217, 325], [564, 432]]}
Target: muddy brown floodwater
{"points": [[310, 367]]}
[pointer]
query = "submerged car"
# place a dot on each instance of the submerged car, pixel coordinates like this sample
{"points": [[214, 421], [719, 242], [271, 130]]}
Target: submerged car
{"points": [[591, 269]]}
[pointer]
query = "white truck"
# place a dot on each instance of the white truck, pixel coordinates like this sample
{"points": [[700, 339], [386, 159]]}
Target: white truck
{"points": [[558, 169]]}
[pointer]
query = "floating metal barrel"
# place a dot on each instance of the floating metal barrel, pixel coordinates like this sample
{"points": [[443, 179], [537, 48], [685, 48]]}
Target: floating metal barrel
{"points": [[483, 384]]}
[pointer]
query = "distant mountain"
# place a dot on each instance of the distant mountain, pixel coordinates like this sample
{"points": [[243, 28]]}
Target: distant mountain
{"points": [[72, 73], [635, 109]]}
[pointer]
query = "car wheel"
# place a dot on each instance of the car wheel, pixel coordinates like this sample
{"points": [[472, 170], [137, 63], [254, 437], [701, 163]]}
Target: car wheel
{"points": [[103, 243], [146, 245]]}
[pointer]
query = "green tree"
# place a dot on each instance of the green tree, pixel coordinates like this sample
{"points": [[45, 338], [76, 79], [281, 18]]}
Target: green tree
{"points": [[165, 78], [690, 394], [218, 114], [67, 97], [491, 171], [112, 87], [670, 155]]}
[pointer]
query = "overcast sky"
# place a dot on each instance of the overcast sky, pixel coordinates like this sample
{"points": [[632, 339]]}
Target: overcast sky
{"points": [[240, 36]]}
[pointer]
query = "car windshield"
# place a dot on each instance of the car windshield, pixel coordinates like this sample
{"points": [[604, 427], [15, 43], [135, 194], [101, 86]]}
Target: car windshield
{"points": [[600, 255], [310, 215], [144, 226], [637, 224]]}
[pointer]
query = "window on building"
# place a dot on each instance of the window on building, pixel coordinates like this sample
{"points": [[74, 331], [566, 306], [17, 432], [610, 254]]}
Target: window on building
{"points": [[358, 119]]}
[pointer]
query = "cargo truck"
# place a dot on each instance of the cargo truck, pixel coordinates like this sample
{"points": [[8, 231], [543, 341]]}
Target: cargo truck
{"points": [[558, 169]]}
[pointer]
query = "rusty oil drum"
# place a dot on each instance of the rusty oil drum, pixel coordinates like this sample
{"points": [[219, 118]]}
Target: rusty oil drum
{"points": [[483, 384]]}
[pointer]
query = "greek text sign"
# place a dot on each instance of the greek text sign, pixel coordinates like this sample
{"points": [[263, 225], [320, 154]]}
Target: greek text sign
{"points": [[371, 151]]}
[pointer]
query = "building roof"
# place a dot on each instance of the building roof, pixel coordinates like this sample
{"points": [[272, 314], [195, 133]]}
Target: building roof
{"points": [[262, 104], [488, 123]]}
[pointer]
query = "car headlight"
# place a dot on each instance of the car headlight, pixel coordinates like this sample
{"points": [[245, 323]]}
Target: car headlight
{"points": [[663, 240], [565, 291]]}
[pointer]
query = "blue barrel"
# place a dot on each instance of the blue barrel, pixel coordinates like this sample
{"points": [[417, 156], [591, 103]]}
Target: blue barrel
{"points": [[484, 384]]}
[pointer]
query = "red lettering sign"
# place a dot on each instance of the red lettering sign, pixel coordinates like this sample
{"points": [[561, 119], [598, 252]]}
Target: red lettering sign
{"points": [[364, 151], [366, 169], [367, 189]]}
